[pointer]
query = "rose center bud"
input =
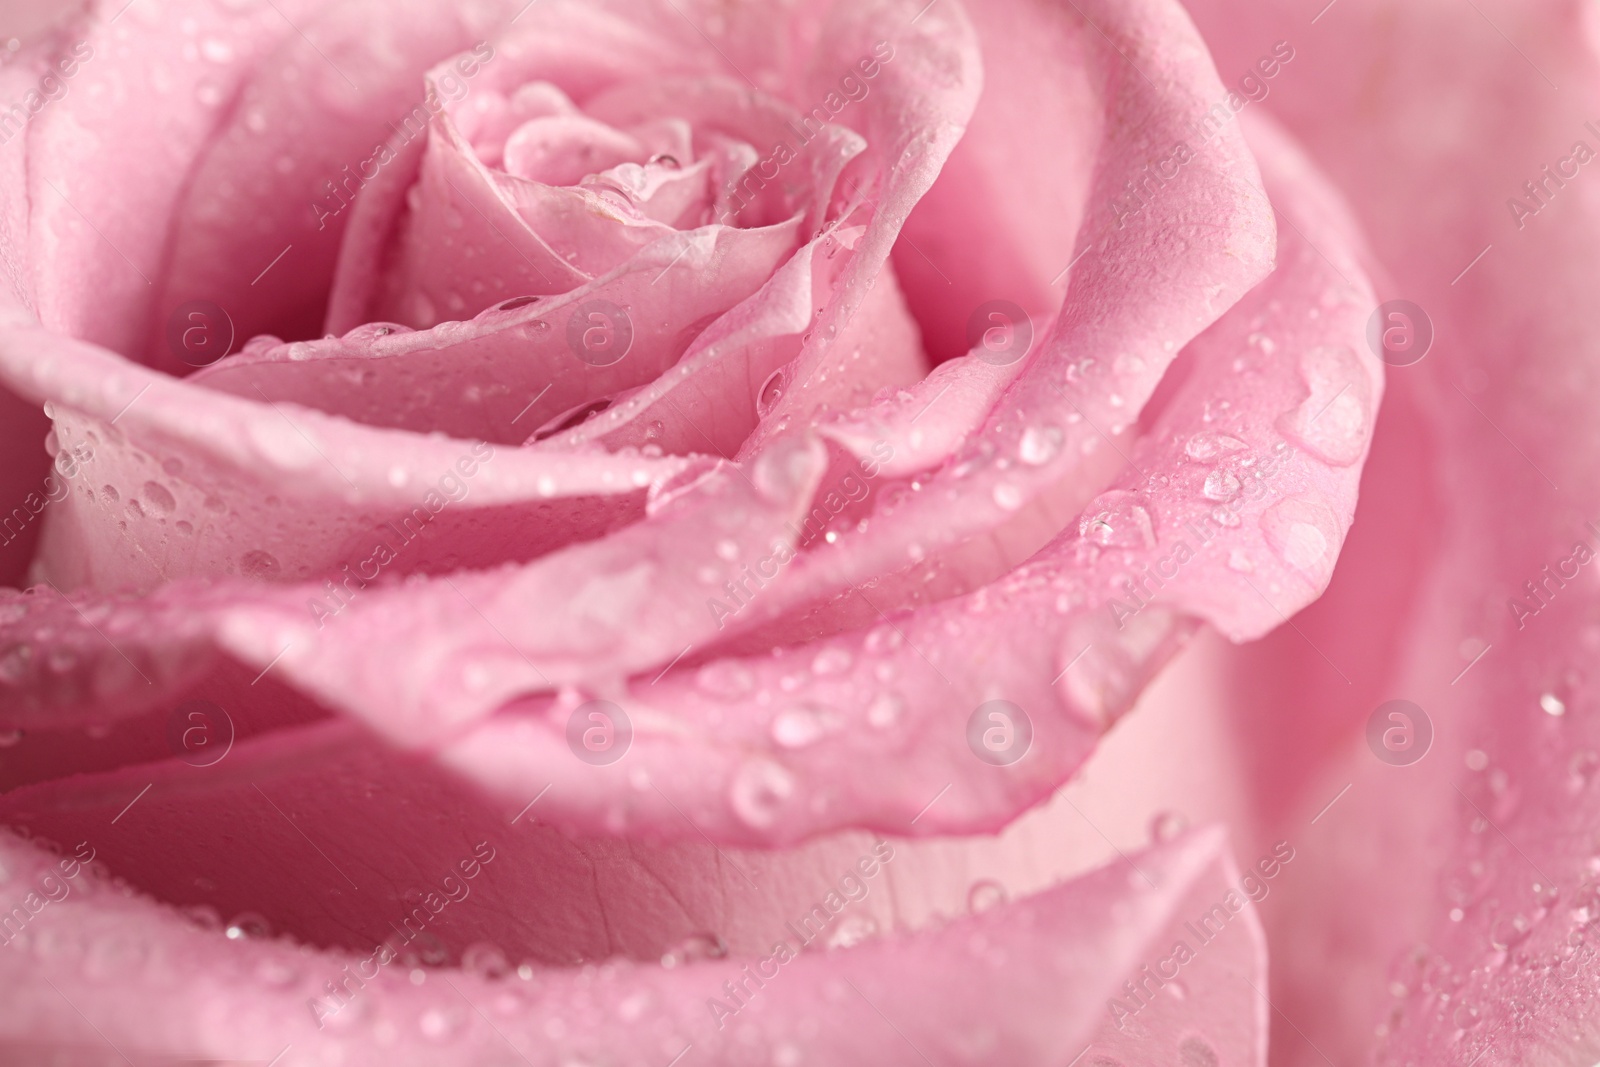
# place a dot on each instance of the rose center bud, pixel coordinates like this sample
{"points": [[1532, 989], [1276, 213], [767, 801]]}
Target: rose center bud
{"points": [[580, 187]]}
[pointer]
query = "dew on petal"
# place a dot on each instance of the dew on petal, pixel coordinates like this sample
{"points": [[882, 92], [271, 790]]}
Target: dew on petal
{"points": [[1118, 519], [984, 894], [760, 789]]}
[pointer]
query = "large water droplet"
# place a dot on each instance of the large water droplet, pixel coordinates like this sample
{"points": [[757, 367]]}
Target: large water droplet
{"points": [[885, 710], [1118, 518], [1332, 422], [798, 727], [1302, 531], [852, 930], [883, 638], [771, 393], [1207, 446], [159, 497], [984, 894], [441, 1023], [1508, 931], [760, 788], [834, 659], [486, 960], [1039, 445], [260, 565], [1166, 826], [1220, 485], [1197, 1052]]}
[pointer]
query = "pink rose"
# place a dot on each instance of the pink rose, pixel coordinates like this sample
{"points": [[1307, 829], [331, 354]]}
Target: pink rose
{"points": [[615, 532]]}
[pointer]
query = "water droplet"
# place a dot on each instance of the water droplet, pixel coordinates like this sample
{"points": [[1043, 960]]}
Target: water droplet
{"points": [[984, 894], [248, 924], [781, 471], [1332, 422], [885, 710], [1118, 519], [1207, 446], [1509, 931], [216, 50], [771, 393], [442, 1023], [160, 497], [259, 564], [704, 946], [760, 788], [1238, 560], [486, 960], [726, 679], [881, 639], [1008, 497], [1220, 485], [835, 659], [1552, 704], [1581, 767], [1039, 445], [1166, 826], [1197, 1052], [798, 727], [1301, 530], [852, 930]]}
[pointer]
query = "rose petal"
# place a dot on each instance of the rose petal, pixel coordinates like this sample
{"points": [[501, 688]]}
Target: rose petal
{"points": [[508, 371], [626, 602], [1439, 877], [303, 488], [997, 987], [257, 230], [96, 233]]}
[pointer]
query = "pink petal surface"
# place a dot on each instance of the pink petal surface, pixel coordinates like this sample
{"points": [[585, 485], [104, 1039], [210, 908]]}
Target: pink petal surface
{"points": [[303, 488], [144, 978], [22, 426], [258, 228], [507, 372], [98, 237]]}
